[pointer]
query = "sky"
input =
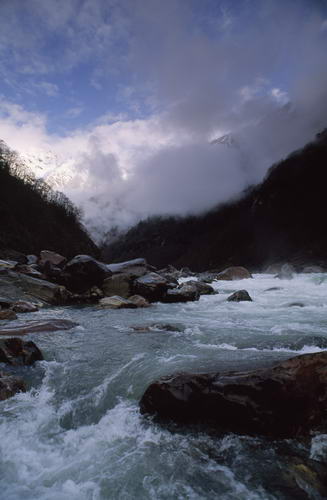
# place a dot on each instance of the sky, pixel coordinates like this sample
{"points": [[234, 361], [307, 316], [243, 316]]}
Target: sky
{"points": [[123, 99]]}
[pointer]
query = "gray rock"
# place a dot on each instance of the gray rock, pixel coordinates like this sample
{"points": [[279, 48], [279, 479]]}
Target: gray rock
{"points": [[239, 296], [139, 301], [234, 273], [185, 293], [46, 325], [116, 302], [202, 287], [136, 267], [313, 269], [10, 385], [31, 259], [16, 287], [52, 257], [151, 286], [118, 284], [15, 351], [24, 307]]}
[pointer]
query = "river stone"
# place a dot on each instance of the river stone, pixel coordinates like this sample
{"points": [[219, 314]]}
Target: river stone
{"points": [[202, 287], [8, 314], [285, 401], [10, 385], [139, 301], [184, 293], [135, 268], [83, 272], [151, 286], [33, 326], [118, 284], [53, 258], [29, 270], [16, 286], [24, 307], [31, 259], [239, 296], [15, 351], [116, 302], [233, 273]]}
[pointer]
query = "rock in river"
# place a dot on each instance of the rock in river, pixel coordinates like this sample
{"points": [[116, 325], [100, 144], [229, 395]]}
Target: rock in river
{"points": [[15, 351], [239, 296], [234, 273], [83, 272], [8, 314], [46, 325], [184, 293], [285, 401], [9, 386], [116, 302], [151, 286]]}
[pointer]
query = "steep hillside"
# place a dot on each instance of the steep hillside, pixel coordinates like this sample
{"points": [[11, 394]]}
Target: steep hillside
{"points": [[34, 217], [281, 219]]}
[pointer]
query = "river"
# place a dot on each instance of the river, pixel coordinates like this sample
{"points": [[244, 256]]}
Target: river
{"points": [[78, 434]]}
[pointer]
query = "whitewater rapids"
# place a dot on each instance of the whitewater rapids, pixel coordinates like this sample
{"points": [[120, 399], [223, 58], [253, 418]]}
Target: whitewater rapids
{"points": [[78, 434]]}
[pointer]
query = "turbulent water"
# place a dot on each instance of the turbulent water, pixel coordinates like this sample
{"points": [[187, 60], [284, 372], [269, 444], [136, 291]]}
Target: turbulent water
{"points": [[78, 434]]}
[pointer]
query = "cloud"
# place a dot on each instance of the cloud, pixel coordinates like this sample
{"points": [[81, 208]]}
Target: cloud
{"points": [[192, 72]]}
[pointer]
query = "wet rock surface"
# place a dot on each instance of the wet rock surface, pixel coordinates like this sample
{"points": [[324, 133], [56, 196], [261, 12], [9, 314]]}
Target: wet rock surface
{"points": [[7, 314], [15, 351], [233, 273], [10, 385], [240, 296], [116, 302], [34, 326], [151, 286], [287, 400], [183, 293], [83, 272]]}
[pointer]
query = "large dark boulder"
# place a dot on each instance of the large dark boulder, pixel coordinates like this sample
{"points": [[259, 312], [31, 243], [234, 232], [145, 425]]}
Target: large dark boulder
{"points": [[10, 385], [184, 293], [151, 286], [15, 351], [285, 401], [239, 296], [83, 272], [202, 287]]}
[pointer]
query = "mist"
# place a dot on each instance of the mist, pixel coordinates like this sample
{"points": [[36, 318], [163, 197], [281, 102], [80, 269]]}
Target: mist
{"points": [[255, 71]]}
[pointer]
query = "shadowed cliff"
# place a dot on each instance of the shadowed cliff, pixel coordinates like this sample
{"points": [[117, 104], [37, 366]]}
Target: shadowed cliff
{"points": [[282, 219]]}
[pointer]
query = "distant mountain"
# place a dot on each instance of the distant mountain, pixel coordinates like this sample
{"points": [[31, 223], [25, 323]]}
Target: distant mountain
{"points": [[33, 216], [282, 219]]}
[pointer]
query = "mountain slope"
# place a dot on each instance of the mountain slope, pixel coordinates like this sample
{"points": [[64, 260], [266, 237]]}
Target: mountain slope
{"points": [[33, 217], [281, 219]]}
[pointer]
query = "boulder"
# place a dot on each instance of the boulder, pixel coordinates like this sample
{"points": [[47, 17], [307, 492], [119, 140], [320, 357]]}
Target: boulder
{"points": [[15, 351], [285, 401], [46, 325], [9, 386], [8, 314], [83, 272], [91, 296], [151, 286], [139, 301], [202, 287], [234, 273], [239, 296], [136, 267], [6, 264], [184, 293], [24, 307], [118, 284], [53, 258], [29, 270], [116, 302], [16, 286]]}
